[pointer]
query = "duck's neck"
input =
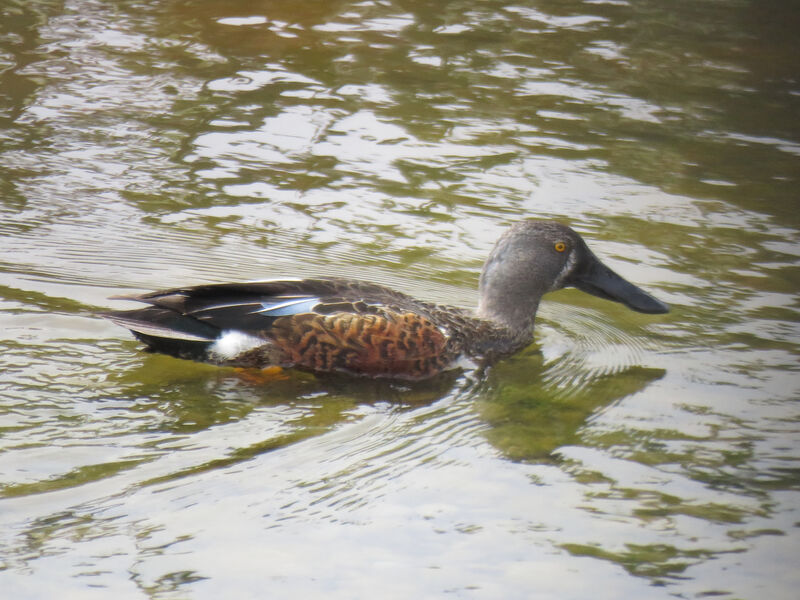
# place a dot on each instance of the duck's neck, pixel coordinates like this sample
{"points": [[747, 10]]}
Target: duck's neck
{"points": [[511, 285], [511, 328], [502, 309]]}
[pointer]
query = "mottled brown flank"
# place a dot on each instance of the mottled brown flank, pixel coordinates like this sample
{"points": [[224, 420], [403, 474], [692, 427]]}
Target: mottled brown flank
{"points": [[389, 345]]}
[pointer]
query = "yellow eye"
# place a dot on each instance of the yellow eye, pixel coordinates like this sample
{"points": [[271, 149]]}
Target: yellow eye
{"points": [[560, 246]]}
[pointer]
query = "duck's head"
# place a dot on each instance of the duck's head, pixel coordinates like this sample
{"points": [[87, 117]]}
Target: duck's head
{"points": [[536, 257]]}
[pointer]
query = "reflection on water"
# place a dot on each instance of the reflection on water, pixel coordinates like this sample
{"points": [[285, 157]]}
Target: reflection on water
{"points": [[150, 144]]}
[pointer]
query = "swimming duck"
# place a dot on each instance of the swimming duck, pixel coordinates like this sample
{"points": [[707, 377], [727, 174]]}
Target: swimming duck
{"points": [[359, 328]]}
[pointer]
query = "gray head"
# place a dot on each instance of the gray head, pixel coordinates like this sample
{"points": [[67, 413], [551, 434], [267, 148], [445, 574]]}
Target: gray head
{"points": [[536, 257]]}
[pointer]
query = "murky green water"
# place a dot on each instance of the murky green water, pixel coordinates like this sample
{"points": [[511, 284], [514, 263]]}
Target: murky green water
{"points": [[149, 144]]}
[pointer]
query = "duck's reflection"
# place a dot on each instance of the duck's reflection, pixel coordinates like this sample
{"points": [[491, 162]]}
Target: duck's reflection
{"points": [[528, 412]]}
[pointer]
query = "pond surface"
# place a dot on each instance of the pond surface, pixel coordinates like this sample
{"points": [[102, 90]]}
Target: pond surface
{"points": [[149, 144]]}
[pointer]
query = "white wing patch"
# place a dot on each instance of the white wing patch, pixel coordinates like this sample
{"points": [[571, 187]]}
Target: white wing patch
{"points": [[233, 343], [287, 305]]}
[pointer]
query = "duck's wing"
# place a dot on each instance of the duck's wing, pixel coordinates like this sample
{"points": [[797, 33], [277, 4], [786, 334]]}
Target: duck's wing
{"points": [[254, 306]]}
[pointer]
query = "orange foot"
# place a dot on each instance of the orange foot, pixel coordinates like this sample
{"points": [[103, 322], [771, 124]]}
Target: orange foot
{"points": [[261, 376]]}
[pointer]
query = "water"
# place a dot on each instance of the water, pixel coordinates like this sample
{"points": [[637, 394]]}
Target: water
{"points": [[150, 144]]}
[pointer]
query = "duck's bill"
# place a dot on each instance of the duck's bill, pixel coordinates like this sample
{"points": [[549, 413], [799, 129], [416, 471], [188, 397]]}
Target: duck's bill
{"points": [[601, 281]]}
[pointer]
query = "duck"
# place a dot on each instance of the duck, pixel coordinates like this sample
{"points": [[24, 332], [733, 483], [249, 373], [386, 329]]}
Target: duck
{"points": [[338, 325]]}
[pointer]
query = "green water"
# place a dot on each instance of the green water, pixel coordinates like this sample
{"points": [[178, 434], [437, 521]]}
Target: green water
{"points": [[152, 144]]}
